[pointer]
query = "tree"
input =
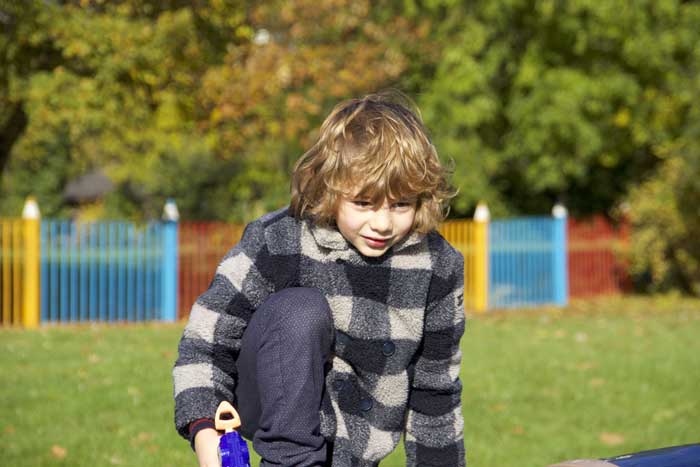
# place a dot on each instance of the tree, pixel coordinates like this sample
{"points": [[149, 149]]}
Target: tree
{"points": [[22, 50], [117, 91], [212, 102], [665, 212], [268, 97], [546, 100], [209, 103]]}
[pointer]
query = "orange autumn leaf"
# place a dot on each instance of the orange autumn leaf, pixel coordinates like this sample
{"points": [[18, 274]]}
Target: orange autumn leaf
{"points": [[611, 439], [58, 452], [596, 382]]}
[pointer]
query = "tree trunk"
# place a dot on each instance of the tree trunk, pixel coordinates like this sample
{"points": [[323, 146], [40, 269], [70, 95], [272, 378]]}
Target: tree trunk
{"points": [[10, 132]]}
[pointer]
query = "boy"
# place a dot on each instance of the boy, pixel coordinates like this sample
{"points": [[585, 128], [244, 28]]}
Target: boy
{"points": [[334, 325]]}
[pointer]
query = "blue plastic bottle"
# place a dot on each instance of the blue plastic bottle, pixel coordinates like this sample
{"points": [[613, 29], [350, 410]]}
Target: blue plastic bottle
{"points": [[233, 450]]}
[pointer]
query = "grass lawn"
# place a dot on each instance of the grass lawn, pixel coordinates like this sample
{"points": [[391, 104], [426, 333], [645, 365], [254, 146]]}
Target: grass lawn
{"points": [[595, 379]]}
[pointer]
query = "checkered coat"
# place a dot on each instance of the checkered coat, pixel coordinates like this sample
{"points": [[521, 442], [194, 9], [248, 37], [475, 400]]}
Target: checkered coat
{"points": [[398, 322]]}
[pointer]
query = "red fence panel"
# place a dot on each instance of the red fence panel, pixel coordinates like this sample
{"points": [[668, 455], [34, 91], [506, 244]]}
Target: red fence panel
{"points": [[596, 264], [201, 246]]}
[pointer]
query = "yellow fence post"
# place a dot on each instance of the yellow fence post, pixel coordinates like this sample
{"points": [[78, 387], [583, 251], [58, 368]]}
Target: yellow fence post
{"points": [[482, 217], [5, 278], [459, 234], [30, 217]]}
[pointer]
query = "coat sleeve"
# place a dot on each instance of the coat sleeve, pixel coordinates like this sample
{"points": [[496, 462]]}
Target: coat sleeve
{"points": [[434, 424], [205, 371]]}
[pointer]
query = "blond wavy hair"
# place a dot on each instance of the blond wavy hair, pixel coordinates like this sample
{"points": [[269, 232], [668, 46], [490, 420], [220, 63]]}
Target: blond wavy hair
{"points": [[374, 148]]}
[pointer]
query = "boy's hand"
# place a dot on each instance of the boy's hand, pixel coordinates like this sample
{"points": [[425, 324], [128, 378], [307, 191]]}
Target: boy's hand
{"points": [[206, 445]]}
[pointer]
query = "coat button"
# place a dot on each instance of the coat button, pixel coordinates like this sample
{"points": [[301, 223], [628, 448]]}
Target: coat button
{"points": [[388, 348], [342, 339], [366, 405], [338, 385]]}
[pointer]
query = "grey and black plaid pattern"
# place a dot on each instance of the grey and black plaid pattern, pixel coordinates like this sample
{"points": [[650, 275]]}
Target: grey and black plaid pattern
{"points": [[398, 320]]}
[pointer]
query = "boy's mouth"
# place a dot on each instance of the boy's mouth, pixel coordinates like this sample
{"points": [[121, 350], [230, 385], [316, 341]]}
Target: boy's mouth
{"points": [[376, 242]]}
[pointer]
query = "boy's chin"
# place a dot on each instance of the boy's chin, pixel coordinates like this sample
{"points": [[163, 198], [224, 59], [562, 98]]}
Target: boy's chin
{"points": [[372, 252]]}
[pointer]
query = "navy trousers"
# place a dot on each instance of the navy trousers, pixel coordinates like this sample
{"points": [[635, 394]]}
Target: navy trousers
{"points": [[281, 381]]}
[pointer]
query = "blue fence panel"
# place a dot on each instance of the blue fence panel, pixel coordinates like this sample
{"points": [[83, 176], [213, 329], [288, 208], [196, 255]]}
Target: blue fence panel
{"points": [[106, 271], [560, 262], [167, 287], [522, 255]]}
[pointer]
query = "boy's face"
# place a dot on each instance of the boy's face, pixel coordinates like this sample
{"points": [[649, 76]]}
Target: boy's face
{"points": [[373, 230]]}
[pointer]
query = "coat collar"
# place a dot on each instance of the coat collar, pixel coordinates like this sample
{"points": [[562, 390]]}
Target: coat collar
{"points": [[330, 237]]}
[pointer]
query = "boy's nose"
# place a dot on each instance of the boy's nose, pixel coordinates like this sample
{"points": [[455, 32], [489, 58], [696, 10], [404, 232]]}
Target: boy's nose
{"points": [[381, 221]]}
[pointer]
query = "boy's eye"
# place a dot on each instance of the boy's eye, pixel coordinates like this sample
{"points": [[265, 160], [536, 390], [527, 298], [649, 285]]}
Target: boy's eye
{"points": [[402, 205], [395, 206]]}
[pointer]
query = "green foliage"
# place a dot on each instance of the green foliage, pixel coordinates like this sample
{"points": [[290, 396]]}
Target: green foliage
{"points": [[186, 101], [665, 212], [121, 96], [267, 98], [211, 103], [665, 209], [544, 100]]}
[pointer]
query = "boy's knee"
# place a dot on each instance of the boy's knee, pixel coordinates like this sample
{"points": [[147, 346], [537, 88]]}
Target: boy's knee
{"points": [[302, 312]]}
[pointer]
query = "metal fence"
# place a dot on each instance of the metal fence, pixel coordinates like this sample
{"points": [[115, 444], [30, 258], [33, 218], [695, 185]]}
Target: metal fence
{"points": [[464, 236], [201, 246], [107, 271], [597, 257], [526, 257], [11, 271], [61, 271]]}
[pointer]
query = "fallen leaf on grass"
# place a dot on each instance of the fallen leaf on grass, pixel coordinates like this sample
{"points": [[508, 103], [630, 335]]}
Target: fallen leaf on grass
{"points": [[596, 382], [611, 439], [58, 452], [499, 407], [518, 430], [142, 437], [9, 429]]}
